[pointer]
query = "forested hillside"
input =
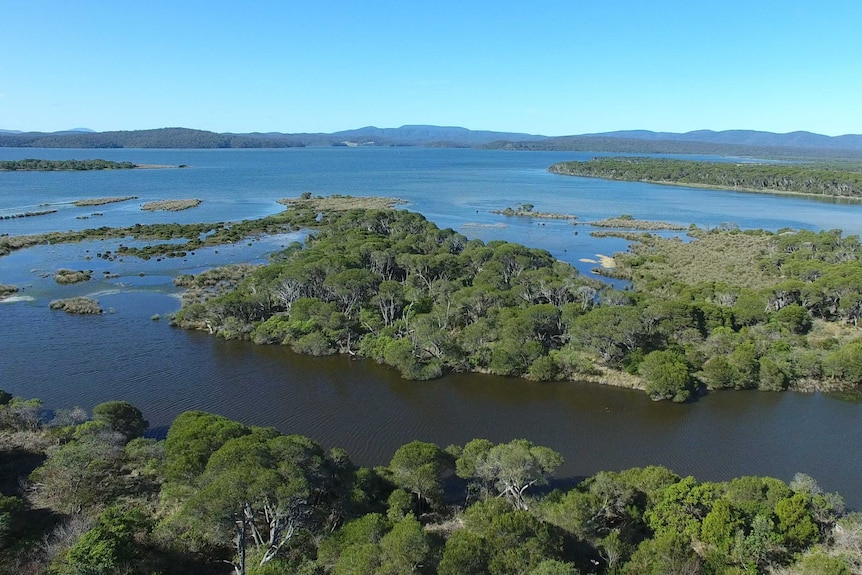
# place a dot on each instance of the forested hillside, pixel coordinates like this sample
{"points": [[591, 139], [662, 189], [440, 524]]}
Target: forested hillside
{"points": [[159, 138], [90, 495]]}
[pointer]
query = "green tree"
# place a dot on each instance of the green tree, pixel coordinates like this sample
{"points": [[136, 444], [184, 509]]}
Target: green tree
{"points": [[11, 516], [82, 473], [122, 417], [667, 376], [512, 468], [405, 548], [668, 553], [465, 553], [192, 438], [554, 567], [418, 467], [109, 547], [795, 522], [261, 487]]}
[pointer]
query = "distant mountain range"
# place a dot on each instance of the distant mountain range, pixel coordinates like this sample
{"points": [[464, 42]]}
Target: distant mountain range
{"points": [[728, 142], [746, 138]]}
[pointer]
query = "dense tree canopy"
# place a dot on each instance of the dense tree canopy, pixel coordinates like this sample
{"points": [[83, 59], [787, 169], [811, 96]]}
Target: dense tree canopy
{"points": [[731, 309]]}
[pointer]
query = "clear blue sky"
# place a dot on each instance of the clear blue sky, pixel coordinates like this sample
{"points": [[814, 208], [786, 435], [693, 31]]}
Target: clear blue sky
{"points": [[544, 67]]}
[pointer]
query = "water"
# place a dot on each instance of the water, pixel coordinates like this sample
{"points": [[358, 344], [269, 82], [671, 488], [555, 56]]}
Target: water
{"points": [[367, 409]]}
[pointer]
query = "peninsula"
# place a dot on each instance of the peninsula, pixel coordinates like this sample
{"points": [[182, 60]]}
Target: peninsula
{"points": [[805, 179]]}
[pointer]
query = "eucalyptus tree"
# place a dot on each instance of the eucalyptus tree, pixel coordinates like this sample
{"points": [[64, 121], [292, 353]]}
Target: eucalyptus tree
{"points": [[510, 468], [259, 489]]}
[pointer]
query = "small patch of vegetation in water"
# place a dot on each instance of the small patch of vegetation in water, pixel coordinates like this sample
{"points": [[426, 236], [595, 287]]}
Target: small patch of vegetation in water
{"points": [[66, 276], [171, 205], [77, 305]]}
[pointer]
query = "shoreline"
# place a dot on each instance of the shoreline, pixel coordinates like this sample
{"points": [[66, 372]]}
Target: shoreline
{"points": [[843, 199]]}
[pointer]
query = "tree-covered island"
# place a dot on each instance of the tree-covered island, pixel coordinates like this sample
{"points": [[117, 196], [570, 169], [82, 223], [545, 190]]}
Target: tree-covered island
{"points": [[740, 310], [751, 177], [90, 495]]}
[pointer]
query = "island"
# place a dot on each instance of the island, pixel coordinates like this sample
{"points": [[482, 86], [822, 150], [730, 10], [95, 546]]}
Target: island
{"points": [[526, 211], [27, 214], [37, 165], [785, 178], [730, 309], [626, 221], [170, 205], [77, 305], [102, 201], [7, 291], [67, 276]]}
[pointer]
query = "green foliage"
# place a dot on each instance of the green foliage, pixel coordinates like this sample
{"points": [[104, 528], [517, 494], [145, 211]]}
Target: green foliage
{"points": [[270, 503], [11, 515], [405, 548], [667, 376], [681, 508], [797, 178], [360, 533], [669, 553], [511, 468], [400, 503], [418, 467], [845, 363], [554, 567], [795, 522], [192, 438], [465, 553], [65, 165], [84, 472], [109, 547], [122, 417], [819, 563]]}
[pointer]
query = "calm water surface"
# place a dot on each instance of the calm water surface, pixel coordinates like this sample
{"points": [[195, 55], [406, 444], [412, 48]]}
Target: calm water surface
{"points": [[70, 360]]}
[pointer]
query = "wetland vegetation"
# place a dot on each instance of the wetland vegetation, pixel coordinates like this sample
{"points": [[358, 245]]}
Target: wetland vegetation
{"points": [[170, 205], [77, 305], [103, 201], [67, 276], [526, 211], [626, 221]]}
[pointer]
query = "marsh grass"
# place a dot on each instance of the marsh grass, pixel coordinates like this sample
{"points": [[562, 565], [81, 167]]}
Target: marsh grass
{"points": [[633, 224], [171, 205], [722, 257], [339, 203], [102, 201], [66, 276]]}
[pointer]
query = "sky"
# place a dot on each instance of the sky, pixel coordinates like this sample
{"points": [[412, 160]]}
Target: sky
{"points": [[541, 66]]}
